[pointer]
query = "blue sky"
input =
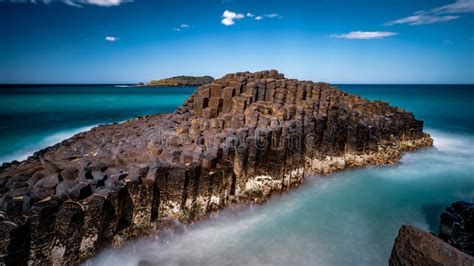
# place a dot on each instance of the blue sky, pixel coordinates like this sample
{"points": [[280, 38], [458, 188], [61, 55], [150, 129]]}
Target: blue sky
{"points": [[345, 41]]}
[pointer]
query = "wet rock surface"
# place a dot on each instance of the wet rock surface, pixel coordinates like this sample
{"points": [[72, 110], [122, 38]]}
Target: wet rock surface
{"points": [[457, 226], [239, 139], [417, 247], [454, 246]]}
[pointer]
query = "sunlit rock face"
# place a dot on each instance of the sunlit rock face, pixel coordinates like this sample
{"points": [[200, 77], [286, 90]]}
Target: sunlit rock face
{"points": [[417, 247], [239, 139]]}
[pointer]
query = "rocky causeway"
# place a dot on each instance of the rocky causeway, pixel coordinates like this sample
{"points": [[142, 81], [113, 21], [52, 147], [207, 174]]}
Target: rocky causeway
{"points": [[239, 139]]}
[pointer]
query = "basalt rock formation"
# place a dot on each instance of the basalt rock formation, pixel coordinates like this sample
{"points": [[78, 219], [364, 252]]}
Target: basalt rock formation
{"points": [[457, 226], [181, 81], [417, 247], [238, 139]]}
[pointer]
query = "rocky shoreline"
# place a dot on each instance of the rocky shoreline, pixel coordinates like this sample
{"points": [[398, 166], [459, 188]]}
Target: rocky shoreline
{"points": [[454, 244], [238, 139]]}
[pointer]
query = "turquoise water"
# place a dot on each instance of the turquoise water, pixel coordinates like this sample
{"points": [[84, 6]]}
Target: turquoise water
{"points": [[36, 117], [349, 218], [443, 107]]}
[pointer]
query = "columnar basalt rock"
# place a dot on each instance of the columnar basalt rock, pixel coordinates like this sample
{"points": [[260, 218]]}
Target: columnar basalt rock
{"points": [[239, 139]]}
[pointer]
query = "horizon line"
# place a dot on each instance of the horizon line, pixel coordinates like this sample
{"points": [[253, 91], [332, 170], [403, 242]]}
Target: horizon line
{"points": [[131, 84]]}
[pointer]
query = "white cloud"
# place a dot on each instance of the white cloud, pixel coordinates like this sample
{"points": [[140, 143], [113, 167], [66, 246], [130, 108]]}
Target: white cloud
{"points": [[364, 35], [437, 14], [274, 15], [111, 38], [229, 17], [78, 3], [421, 19], [181, 27], [460, 6], [102, 2]]}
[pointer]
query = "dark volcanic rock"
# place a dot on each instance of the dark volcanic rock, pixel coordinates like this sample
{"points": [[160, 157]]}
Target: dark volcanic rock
{"points": [[80, 191], [63, 188], [416, 247], [457, 226], [241, 138], [48, 182]]}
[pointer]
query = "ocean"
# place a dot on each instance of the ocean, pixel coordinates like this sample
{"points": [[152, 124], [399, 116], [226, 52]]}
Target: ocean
{"points": [[37, 117], [348, 218]]}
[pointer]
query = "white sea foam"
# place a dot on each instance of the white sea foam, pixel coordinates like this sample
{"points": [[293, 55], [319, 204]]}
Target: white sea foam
{"points": [[211, 243], [45, 142], [454, 143], [124, 86], [452, 153]]}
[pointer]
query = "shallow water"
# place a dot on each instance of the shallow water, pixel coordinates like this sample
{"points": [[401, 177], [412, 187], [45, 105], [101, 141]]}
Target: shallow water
{"points": [[348, 218]]}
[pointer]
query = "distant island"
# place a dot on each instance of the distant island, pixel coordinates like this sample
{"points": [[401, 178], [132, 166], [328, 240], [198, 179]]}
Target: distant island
{"points": [[180, 81]]}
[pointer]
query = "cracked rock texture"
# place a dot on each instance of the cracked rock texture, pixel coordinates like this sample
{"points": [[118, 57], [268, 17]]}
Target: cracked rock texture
{"points": [[417, 247], [239, 139], [457, 226]]}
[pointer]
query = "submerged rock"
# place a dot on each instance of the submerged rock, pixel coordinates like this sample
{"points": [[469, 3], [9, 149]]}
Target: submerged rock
{"points": [[239, 139]]}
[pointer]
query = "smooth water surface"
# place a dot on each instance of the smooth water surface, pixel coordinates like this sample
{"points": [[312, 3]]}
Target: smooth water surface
{"points": [[36, 117]]}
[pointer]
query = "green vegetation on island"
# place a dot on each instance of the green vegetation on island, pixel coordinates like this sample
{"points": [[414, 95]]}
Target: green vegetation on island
{"points": [[180, 81]]}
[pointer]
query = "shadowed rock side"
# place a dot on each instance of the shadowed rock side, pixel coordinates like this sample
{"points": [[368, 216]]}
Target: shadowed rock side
{"points": [[457, 226], [417, 247], [239, 139]]}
